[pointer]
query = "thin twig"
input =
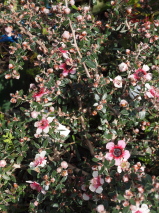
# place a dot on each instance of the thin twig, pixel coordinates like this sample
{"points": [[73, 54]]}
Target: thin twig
{"points": [[77, 170], [88, 142], [75, 43]]}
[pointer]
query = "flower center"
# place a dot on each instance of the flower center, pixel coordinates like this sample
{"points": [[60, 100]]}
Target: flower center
{"points": [[44, 124], [39, 161], [141, 74], [138, 211], [96, 182], [68, 67], [117, 152]]}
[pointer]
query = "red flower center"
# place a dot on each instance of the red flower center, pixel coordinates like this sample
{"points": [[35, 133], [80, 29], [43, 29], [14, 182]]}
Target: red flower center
{"points": [[117, 152], [140, 73], [44, 123], [96, 182]]}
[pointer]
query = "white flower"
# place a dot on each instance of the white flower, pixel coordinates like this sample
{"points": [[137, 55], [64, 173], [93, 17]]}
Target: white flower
{"points": [[118, 81], [123, 67], [96, 183], [39, 160], [62, 130], [143, 209]]}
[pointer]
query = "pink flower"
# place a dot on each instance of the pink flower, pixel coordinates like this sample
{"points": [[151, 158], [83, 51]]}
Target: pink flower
{"points": [[143, 209], [152, 92], [67, 67], [3, 163], [40, 93], [141, 74], [118, 81], [96, 183], [43, 125], [66, 35], [117, 152], [123, 67], [34, 114], [36, 186], [39, 160], [64, 164], [100, 209]]}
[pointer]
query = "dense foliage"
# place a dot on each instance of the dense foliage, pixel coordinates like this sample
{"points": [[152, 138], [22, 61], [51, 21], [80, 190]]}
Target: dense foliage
{"points": [[79, 126]]}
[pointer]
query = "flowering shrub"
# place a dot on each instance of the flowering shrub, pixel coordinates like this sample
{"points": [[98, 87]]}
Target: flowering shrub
{"points": [[82, 136]]}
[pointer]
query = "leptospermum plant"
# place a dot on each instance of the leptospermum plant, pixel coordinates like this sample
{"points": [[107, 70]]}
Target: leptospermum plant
{"points": [[83, 135]]}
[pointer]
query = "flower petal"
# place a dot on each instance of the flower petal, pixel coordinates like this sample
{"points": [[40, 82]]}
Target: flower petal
{"points": [[99, 190], [38, 131], [110, 145], [126, 154], [95, 174], [117, 161], [109, 156], [92, 188], [122, 144], [50, 119], [46, 130]]}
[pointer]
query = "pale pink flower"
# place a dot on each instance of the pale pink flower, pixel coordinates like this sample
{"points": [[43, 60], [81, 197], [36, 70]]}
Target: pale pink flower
{"points": [[43, 125], [36, 203], [100, 209], [3, 163], [72, 2], [67, 10], [123, 103], [96, 183], [36, 186], [64, 164], [10, 66], [117, 152], [40, 93], [118, 81], [39, 160], [8, 30], [108, 179], [125, 178], [66, 35], [34, 114], [123, 166], [86, 9], [79, 18], [143, 209], [152, 92], [123, 67]]}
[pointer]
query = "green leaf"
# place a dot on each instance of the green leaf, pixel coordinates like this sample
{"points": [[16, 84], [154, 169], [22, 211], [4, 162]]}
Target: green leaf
{"points": [[90, 64], [95, 159], [6, 177], [120, 197]]}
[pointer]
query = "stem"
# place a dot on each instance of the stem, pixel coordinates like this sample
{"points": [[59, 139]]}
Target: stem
{"points": [[75, 43], [77, 170]]}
